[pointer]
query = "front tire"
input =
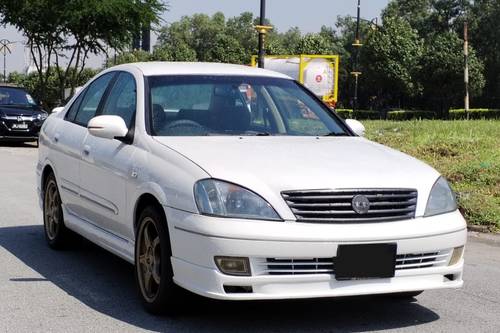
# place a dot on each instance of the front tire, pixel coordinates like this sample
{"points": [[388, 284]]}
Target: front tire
{"points": [[153, 269], [56, 233]]}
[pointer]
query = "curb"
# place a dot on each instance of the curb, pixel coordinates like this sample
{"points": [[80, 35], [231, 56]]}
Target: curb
{"points": [[478, 228], [491, 239]]}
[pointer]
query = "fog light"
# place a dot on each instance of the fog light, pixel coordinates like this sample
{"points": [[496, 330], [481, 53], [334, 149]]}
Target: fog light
{"points": [[233, 265], [456, 256]]}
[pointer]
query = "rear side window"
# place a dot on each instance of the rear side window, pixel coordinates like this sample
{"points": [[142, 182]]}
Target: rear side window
{"points": [[122, 99], [88, 107]]}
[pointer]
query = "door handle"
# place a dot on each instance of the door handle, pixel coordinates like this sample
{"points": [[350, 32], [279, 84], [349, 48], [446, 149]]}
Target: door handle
{"points": [[56, 137], [86, 150]]}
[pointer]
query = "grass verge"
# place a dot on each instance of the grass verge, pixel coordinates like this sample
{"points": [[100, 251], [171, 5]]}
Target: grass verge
{"points": [[467, 153]]}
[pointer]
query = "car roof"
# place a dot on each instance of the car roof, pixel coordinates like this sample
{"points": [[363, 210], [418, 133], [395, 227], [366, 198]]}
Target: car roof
{"points": [[10, 85], [198, 68]]}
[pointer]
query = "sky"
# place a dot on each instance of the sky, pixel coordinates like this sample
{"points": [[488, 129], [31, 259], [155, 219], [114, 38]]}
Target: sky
{"points": [[284, 14]]}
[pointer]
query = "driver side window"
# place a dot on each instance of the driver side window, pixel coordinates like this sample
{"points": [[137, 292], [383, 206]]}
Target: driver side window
{"points": [[122, 99], [90, 103]]}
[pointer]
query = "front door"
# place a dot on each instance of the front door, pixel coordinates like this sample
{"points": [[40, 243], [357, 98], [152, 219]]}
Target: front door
{"points": [[68, 139], [107, 164]]}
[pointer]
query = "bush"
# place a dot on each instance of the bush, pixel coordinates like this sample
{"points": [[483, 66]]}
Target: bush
{"points": [[359, 114], [367, 115], [417, 114], [410, 114], [344, 113], [475, 114]]}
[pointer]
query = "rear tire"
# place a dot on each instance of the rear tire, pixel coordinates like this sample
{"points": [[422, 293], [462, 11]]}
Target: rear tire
{"points": [[56, 233], [153, 268]]}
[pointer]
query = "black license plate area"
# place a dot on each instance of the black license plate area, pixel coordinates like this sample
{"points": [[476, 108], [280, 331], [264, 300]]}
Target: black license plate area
{"points": [[365, 261]]}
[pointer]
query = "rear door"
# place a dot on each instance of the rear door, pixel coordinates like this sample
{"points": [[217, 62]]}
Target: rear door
{"points": [[107, 164]]}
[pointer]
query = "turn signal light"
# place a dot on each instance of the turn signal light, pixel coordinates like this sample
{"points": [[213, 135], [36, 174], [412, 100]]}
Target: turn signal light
{"points": [[239, 266]]}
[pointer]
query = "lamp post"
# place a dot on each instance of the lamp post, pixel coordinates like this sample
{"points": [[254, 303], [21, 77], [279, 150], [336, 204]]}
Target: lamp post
{"points": [[466, 69], [262, 29], [5, 46], [357, 45]]}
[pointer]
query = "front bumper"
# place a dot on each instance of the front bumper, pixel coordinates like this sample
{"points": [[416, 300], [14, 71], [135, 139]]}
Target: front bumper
{"points": [[29, 134], [197, 239]]}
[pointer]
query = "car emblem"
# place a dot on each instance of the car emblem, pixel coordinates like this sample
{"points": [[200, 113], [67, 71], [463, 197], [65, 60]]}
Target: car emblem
{"points": [[360, 204], [19, 118]]}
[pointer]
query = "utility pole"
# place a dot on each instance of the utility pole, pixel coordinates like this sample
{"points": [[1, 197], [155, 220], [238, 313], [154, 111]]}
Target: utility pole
{"points": [[357, 46], [5, 46], [466, 70], [262, 29]]}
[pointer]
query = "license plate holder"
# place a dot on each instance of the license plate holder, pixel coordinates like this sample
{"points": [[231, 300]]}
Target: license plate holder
{"points": [[20, 126], [365, 261]]}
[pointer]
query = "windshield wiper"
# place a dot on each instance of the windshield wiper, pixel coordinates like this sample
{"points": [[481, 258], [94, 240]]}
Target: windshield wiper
{"points": [[336, 134], [255, 133]]}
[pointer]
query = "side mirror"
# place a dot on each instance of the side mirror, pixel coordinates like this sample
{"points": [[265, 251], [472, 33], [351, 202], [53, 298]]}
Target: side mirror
{"points": [[107, 127], [356, 126], [57, 110]]}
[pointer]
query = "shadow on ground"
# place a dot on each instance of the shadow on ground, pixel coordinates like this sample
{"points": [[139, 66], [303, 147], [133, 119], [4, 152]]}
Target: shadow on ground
{"points": [[17, 144], [106, 284]]}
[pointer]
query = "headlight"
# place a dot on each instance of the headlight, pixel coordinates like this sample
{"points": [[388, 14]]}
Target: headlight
{"points": [[441, 200], [218, 198], [41, 116]]}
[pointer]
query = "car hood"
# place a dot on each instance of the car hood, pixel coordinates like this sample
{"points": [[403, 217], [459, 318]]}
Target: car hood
{"points": [[269, 165], [19, 110]]}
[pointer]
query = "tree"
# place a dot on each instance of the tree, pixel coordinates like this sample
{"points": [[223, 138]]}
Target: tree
{"points": [[391, 60], [62, 34], [415, 12], [485, 38], [441, 71], [242, 29]]}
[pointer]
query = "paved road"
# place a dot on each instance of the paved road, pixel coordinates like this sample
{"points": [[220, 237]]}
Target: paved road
{"points": [[87, 289]]}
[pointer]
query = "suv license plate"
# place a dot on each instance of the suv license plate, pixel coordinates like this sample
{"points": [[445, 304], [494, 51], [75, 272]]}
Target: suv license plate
{"points": [[20, 126], [365, 261]]}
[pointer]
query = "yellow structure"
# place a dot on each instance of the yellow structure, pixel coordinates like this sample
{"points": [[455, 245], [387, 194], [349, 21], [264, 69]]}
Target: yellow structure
{"points": [[333, 61]]}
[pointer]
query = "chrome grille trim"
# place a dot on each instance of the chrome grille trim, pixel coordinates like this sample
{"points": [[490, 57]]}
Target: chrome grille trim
{"points": [[294, 266], [302, 266], [16, 118], [335, 206], [422, 260]]}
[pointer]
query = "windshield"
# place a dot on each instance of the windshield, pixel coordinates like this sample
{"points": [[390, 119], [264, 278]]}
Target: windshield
{"points": [[231, 105], [15, 96]]}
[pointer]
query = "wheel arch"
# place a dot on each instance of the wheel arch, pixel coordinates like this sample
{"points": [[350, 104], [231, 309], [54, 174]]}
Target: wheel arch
{"points": [[47, 170], [145, 200]]}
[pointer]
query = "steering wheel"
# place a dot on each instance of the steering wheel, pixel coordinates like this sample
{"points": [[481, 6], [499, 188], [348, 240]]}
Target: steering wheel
{"points": [[184, 127]]}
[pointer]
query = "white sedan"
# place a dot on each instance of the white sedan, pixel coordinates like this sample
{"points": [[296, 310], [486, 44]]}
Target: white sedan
{"points": [[237, 183]]}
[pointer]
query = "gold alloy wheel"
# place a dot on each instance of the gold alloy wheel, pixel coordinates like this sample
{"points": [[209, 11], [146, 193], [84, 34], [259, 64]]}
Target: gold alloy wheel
{"points": [[149, 265], [52, 204]]}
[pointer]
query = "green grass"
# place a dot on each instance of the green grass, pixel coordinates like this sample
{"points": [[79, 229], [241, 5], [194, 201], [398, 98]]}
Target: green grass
{"points": [[467, 153]]}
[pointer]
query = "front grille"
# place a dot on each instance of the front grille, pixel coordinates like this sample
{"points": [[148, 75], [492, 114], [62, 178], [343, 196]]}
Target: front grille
{"points": [[302, 266], [289, 266], [335, 206], [422, 260]]}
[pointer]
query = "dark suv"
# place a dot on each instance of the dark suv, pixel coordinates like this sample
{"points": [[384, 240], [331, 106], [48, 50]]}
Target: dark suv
{"points": [[20, 116]]}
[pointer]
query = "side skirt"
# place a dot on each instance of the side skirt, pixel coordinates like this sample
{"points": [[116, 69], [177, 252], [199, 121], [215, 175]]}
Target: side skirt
{"points": [[117, 245]]}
